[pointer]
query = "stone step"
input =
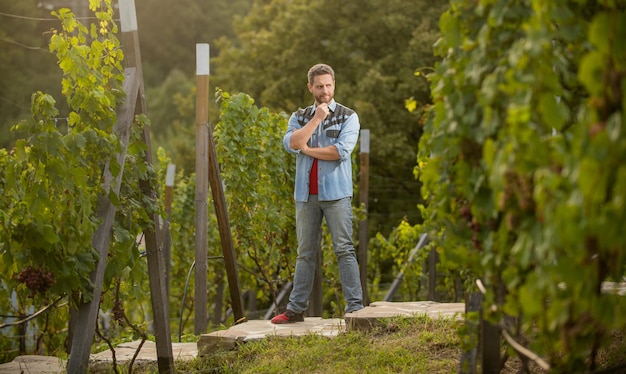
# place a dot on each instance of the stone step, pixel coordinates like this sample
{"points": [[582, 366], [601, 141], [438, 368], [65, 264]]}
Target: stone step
{"points": [[373, 314]]}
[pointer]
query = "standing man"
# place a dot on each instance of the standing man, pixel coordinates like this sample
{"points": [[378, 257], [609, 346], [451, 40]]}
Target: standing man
{"points": [[323, 136]]}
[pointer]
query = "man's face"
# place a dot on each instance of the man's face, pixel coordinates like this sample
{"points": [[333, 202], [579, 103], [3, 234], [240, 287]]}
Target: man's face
{"points": [[323, 88]]}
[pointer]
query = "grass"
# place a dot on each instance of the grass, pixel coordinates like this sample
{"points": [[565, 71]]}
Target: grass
{"points": [[396, 346]]}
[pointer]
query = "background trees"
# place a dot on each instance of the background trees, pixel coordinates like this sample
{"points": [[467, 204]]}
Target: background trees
{"points": [[375, 47], [170, 29]]}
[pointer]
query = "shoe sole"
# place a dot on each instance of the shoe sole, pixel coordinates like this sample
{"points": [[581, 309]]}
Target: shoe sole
{"points": [[285, 322]]}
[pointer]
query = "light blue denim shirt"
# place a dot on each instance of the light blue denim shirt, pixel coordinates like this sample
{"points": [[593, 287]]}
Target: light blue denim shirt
{"points": [[341, 129]]}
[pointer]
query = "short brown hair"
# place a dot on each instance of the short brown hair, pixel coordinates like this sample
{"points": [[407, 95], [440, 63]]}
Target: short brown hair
{"points": [[320, 69]]}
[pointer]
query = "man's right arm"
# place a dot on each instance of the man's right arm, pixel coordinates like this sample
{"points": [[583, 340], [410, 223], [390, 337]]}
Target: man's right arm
{"points": [[293, 125], [301, 136]]}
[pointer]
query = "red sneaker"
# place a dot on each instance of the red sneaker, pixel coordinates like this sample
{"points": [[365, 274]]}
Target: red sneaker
{"points": [[288, 317]]}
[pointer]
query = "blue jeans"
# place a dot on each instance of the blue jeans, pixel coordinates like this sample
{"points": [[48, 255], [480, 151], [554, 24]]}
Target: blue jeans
{"points": [[338, 215]]}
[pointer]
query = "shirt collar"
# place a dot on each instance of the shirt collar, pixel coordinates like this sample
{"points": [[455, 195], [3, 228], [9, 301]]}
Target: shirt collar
{"points": [[332, 106]]}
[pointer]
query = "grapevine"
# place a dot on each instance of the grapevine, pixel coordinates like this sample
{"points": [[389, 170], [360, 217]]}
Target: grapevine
{"points": [[52, 179], [522, 167]]}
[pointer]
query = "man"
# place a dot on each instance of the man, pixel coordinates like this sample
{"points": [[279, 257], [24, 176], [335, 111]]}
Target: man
{"points": [[323, 136]]}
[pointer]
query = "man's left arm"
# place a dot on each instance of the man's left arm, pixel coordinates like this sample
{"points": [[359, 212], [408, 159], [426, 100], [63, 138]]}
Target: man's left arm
{"points": [[328, 153], [348, 137], [341, 150]]}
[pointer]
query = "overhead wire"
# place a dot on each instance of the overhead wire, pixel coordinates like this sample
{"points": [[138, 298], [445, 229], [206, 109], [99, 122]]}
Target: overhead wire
{"points": [[13, 103], [38, 18], [25, 46], [33, 48], [27, 18]]}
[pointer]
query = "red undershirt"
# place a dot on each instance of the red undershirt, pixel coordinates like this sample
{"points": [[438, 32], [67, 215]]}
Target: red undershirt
{"points": [[313, 179]]}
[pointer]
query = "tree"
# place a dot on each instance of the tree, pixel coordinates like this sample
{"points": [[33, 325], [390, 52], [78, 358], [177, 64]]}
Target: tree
{"points": [[523, 172], [170, 29], [374, 46]]}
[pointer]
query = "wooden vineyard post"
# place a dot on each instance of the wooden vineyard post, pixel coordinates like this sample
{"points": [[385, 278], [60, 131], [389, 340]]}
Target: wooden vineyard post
{"points": [[154, 246], [88, 311], [363, 199], [167, 238], [202, 187], [215, 181]]}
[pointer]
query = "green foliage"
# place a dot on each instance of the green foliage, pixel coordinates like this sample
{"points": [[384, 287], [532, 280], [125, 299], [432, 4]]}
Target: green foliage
{"points": [[258, 177], [390, 256], [182, 232], [52, 180], [522, 166]]}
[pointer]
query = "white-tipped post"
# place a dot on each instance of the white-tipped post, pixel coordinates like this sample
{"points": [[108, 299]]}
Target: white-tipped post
{"points": [[202, 186], [128, 15], [365, 141], [202, 59], [363, 199], [169, 175]]}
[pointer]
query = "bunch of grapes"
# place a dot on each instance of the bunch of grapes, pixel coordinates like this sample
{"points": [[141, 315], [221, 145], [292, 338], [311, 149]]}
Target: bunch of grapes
{"points": [[118, 312], [36, 280]]}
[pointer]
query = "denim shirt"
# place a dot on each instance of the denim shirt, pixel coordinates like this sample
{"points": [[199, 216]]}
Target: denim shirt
{"points": [[341, 129]]}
